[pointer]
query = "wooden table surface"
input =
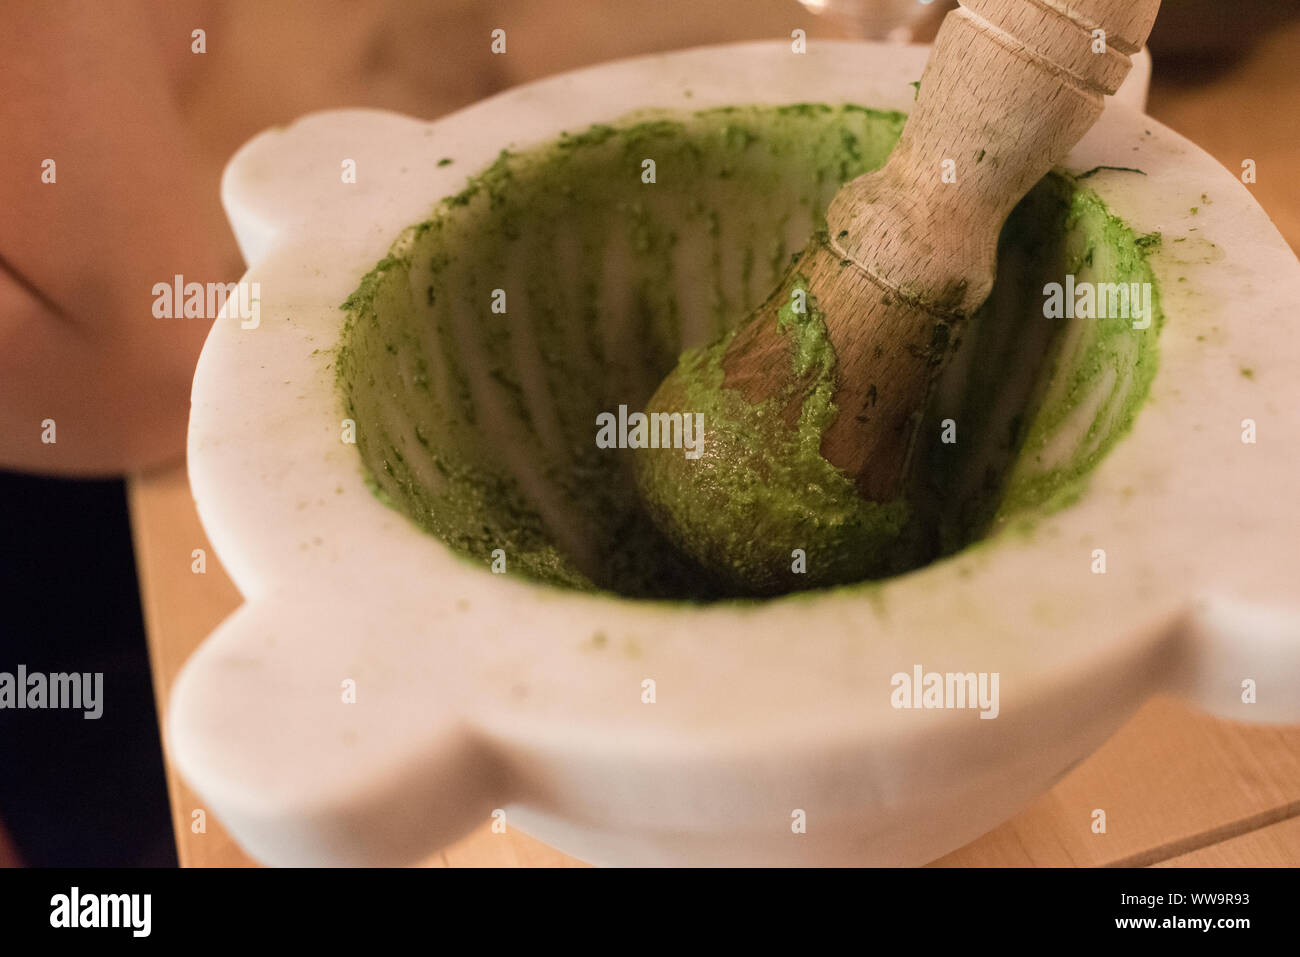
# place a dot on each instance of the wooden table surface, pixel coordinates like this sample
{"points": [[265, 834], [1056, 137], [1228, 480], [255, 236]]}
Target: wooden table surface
{"points": [[1178, 788]]}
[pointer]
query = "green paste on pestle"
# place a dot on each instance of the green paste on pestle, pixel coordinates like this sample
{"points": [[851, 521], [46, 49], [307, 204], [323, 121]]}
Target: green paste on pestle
{"points": [[480, 426], [740, 517]]}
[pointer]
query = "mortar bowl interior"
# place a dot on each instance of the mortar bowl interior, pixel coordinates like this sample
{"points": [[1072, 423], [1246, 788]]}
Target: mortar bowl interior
{"points": [[565, 280]]}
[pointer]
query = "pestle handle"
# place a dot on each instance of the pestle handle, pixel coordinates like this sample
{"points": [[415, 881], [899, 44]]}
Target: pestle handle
{"points": [[1010, 87]]}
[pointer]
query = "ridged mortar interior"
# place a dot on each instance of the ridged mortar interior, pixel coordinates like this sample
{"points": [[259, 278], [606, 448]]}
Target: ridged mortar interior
{"points": [[481, 425]]}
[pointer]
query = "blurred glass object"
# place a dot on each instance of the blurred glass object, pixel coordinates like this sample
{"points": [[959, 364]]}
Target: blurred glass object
{"points": [[900, 21]]}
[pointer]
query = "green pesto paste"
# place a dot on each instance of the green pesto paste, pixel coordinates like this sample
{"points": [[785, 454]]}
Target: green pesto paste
{"points": [[559, 284], [739, 518]]}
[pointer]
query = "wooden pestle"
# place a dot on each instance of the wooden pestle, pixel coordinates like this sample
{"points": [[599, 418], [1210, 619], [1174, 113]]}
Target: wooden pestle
{"points": [[909, 250]]}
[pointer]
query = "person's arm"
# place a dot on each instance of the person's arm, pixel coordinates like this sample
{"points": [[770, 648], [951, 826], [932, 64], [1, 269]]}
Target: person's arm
{"points": [[89, 85]]}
